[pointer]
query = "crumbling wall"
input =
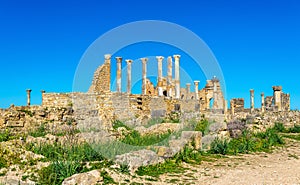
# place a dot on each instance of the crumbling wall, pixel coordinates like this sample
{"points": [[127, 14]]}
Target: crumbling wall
{"points": [[27, 117], [285, 98], [211, 96], [101, 80], [237, 104]]}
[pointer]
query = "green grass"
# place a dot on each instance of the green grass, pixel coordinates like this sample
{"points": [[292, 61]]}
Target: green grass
{"points": [[202, 126], [135, 138], [66, 160], [169, 166], [8, 134], [41, 131], [294, 137], [295, 129], [248, 142], [116, 124]]}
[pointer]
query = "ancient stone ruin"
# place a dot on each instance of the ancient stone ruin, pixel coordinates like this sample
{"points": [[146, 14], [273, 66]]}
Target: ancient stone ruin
{"points": [[100, 106]]}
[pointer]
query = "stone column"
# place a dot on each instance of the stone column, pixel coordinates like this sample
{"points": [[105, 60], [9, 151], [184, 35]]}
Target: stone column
{"points": [[188, 90], [277, 90], [119, 75], [177, 76], [159, 71], [169, 77], [129, 76], [28, 96], [262, 102], [144, 75], [107, 58], [43, 92], [196, 83], [251, 100]]}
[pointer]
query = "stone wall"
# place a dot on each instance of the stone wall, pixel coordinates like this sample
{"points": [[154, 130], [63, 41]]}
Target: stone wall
{"points": [[101, 80], [57, 100], [237, 104]]}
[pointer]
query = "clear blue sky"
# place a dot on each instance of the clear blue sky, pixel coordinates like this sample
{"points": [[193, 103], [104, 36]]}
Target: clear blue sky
{"points": [[255, 42]]}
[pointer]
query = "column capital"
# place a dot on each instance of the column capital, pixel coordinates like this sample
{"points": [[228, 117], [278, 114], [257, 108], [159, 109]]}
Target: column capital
{"points": [[43, 91], [176, 56], [28, 90], [188, 84], [262, 94], [277, 88], [252, 90], [144, 60], [159, 58], [129, 61], [107, 56], [196, 82], [119, 59]]}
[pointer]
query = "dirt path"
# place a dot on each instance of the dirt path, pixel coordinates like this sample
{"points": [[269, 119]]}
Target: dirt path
{"points": [[280, 167]]}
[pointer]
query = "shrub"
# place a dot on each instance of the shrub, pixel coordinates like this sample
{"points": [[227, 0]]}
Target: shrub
{"points": [[39, 132], [134, 138], [279, 127], [295, 129], [248, 142], [116, 124], [202, 126], [219, 146]]}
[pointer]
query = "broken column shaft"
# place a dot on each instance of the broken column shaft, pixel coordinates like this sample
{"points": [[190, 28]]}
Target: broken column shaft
{"points": [[277, 90], [262, 102], [129, 76], [144, 75], [251, 100], [28, 96], [196, 83], [159, 81], [169, 77], [119, 77], [177, 76]]}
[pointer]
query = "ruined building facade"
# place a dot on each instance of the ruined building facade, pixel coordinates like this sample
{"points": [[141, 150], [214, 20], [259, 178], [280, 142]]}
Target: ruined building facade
{"points": [[100, 106]]}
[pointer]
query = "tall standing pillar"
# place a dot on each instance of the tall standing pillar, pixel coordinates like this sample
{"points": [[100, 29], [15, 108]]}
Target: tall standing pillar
{"points": [[169, 77], [119, 75], [28, 96], [177, 76], [196, 83], [251, 100], [129, 62], [144, 75], [262, 102], [277, 96], [159, 71], [188, 90]]}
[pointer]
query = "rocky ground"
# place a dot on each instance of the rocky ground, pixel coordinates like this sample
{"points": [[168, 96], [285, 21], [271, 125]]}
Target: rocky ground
{"points": [[282, 166]]}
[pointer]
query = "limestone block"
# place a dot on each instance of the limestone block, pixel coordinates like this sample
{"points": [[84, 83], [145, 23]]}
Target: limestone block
{"points": [[10, 123], [92, 177]]}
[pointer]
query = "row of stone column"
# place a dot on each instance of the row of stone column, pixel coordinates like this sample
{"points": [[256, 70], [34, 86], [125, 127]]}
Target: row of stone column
{"points": [[28, 91], [252, 101], [144, 75]]}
